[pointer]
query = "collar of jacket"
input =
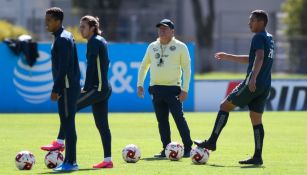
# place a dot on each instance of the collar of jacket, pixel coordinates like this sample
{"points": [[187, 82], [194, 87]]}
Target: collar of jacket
{"points": [[92, 37], [58, 32]]}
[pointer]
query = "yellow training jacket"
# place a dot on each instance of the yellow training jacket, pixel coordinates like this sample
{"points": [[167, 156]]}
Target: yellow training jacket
{"points": [[166, 63]]}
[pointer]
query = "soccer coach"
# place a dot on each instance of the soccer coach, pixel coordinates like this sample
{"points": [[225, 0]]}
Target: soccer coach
{"points": [[166, 58]]}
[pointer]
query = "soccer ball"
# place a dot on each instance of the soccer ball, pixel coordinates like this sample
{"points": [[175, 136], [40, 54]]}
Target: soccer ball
{"points": [[199, 155], [131, 153], [53, 159], [24, 160], [174, 151]]}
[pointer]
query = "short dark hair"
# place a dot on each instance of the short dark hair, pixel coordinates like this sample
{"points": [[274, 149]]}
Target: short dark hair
{"points": [[56, 13], [261, 15]]}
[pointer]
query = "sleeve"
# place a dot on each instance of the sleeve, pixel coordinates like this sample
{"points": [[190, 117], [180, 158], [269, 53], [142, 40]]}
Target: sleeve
{"points": [[144, 68], [64, 49], [186, 67], [258, 42], [92, 54], [104, 56]]}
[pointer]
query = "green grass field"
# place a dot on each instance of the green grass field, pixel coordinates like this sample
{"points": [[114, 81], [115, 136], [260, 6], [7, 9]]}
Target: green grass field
{"points": [[285, 144]]}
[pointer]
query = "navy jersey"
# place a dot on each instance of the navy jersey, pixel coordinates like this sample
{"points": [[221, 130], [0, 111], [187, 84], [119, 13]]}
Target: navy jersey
{"points": [[97, 64], [263, 41], [65, 65]]}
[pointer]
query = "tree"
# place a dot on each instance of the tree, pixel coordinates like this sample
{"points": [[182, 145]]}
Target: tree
{"points": [[297, 33], [106, 10], [296, 18], [76, 33], [204, 35], [8, 30]]}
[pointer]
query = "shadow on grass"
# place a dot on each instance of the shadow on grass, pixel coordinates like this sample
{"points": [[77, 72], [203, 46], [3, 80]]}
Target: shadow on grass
{"points": [[239, 166], [253, 166], [153, 158], [66, 172], [159, 158]]}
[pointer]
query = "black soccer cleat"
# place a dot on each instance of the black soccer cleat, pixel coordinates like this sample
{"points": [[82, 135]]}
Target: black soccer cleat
{"points": [[161, 154], [252, 161], [187, 153], [205, 144]]}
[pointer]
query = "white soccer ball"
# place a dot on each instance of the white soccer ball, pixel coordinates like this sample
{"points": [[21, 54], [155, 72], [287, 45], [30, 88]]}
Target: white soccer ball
{"points": [[24, 160], [131, 153], [174, 151], [53, 159], [199, 155]]}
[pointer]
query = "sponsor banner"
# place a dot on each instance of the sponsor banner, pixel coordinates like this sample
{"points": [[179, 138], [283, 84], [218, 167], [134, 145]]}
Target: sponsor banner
{"points": [[27, 89], [285, 95]]}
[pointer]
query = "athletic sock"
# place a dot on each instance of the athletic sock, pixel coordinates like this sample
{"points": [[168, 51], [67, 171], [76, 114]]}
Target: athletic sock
{"points": [[258, 138], [60, 141], [107, 159], [220, 122]]}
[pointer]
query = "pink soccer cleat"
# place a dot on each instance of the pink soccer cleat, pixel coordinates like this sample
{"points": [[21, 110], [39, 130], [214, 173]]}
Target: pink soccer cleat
{"points": [[104, 165], [53, 147]]}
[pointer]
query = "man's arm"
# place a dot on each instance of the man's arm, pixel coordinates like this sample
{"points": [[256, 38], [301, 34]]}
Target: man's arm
{"points": [[256, 69], [230, 57], [91, 66], [63, 48], [93, 51], [142, 73], [186, 67]]}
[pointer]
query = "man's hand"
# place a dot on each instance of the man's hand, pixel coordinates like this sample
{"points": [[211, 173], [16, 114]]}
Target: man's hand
{"points": [[140, 92], [221, 55], [54, 96], [182, 96], [83, 91], [252, 84]]}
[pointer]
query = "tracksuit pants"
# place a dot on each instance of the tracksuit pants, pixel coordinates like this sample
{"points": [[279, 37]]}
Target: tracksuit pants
{"points": [[99, 102], [67, 109], [165, 100]]}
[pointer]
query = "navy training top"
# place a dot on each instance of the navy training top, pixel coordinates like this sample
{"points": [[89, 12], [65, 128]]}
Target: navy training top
{"points": [[64, 58]]}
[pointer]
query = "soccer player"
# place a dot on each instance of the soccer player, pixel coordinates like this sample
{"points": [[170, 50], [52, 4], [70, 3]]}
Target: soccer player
{"points": [[66, 88], [97, 89], [253, 91], [166, 58]]}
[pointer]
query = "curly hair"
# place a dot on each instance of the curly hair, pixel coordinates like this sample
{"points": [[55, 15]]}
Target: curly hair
{"points": [[56, 13]]}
